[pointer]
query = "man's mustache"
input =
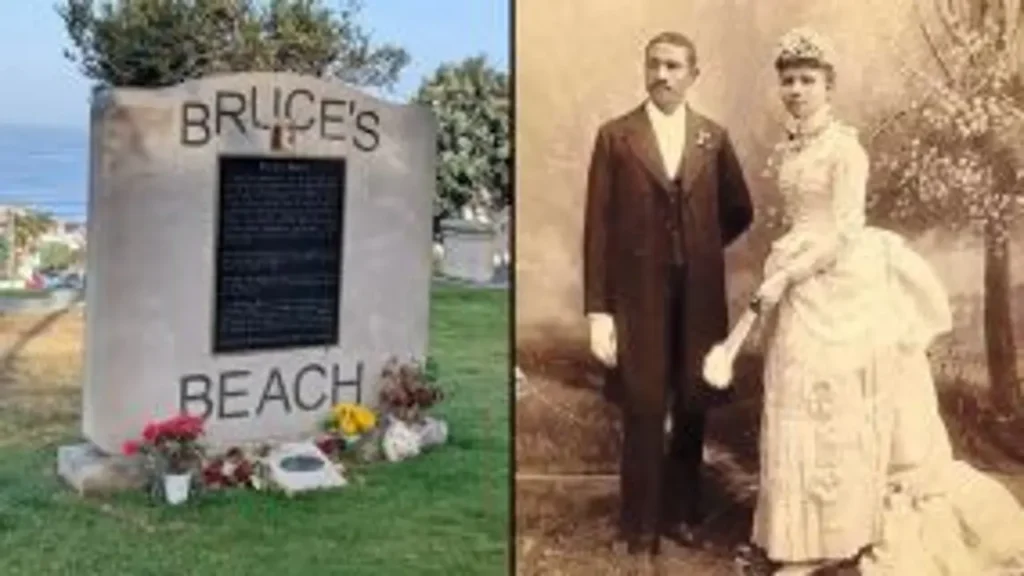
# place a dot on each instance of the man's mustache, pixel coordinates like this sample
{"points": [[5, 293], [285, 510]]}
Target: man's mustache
{"points": [[659, 84]]}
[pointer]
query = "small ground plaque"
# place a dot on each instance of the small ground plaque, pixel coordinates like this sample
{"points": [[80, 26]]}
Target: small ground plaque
{"points": [[301, 466], [301, 463]]}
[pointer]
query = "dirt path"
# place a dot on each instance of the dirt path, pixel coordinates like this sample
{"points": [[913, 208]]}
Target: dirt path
{"points": [[40, 375]]}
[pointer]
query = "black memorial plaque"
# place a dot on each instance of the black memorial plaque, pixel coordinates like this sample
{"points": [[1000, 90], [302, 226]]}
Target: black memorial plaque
{"points": [[278, 254]]}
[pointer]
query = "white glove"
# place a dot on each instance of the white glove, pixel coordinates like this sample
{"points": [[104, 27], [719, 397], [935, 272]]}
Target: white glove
{"points": [[602, 338], [718, 362], [718, 366]]}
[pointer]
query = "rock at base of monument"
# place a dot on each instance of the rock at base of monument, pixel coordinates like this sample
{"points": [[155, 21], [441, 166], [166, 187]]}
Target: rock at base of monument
{"points": [[91, 471], [432, 432], [400, 441], [300, 467]]}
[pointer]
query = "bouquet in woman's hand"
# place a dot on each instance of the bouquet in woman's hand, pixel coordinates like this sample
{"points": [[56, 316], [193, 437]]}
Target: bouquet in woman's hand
{"points": [[718, 362]]}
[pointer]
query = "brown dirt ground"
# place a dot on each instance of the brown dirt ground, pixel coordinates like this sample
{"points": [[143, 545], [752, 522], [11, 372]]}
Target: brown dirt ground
{"points": [[567, 443], [40, 375]]}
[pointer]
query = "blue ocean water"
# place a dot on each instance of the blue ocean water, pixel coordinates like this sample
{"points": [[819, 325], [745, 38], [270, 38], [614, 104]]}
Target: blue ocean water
{"points": [[45, 168]]}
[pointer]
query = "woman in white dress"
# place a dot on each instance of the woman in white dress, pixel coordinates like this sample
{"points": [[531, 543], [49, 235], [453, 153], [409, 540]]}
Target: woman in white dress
{"points": [[854, 456]]}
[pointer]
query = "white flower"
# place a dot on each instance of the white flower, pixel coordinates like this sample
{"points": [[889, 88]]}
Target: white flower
{"points": [[703, 138], [400, 442]]}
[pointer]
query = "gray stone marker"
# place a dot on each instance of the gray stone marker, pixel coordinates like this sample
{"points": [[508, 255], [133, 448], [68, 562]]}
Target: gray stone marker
{"points": [[248, 273], [469, 250]]}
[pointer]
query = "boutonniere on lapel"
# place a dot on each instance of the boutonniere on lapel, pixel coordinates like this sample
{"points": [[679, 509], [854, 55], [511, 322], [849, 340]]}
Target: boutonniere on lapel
{"points": [[703, 139]]}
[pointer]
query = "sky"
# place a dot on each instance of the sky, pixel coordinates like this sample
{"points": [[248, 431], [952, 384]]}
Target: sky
{"points": [[42, 88]]}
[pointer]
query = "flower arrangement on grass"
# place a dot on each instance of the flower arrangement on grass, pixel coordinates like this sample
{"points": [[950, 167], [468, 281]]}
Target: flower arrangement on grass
{"points": [[172, 446], [173, 450], [408, 390], [233, 469], [349, 420], [344, 425]]}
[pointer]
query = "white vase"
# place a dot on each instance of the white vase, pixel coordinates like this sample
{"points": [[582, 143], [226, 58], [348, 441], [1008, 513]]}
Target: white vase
{"points": [[176, 487]]}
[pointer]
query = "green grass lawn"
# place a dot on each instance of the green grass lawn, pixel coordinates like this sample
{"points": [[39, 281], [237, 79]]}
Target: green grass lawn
{"points": [[18, 293], [444, 513]]}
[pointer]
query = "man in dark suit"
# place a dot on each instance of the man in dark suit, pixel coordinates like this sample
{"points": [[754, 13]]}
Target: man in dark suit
{"points": [[665, 197]]}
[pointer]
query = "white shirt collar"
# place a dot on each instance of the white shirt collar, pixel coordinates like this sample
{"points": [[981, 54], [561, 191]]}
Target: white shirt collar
{"points": [[657, 115], [670, 134]]}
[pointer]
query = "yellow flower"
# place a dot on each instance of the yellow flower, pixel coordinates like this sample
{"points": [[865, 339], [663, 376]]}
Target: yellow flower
{"points": [[341, 410], [365, 419], [352, 419], [348, 426]]}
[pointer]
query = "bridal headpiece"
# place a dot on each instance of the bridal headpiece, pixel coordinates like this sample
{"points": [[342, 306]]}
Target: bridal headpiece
{"points": [[804, 44]]}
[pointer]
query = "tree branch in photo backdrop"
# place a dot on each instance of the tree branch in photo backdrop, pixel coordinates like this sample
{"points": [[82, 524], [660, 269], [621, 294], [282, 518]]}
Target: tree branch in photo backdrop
{"points": [[954, 159]]}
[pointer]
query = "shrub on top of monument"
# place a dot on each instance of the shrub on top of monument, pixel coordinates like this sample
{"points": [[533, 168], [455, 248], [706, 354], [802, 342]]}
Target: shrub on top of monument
{"points": [[188, 39]]}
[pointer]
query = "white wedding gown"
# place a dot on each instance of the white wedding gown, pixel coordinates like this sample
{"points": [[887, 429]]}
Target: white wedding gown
{"points": [[854, 454]]}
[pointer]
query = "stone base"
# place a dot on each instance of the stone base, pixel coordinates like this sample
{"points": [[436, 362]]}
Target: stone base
{"points": [[91, 472]]}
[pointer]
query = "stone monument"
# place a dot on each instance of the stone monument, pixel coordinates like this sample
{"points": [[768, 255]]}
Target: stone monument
{"points": [[260, 245], [476, 246], [468, 250]]}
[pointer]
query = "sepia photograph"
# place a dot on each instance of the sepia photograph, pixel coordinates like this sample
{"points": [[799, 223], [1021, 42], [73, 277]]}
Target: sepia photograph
{"points": [[254, 288], [767, 309]]}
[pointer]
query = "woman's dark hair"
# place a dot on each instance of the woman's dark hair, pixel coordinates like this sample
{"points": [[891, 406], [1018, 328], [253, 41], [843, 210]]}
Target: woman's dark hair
{"points": [[783, 63]]}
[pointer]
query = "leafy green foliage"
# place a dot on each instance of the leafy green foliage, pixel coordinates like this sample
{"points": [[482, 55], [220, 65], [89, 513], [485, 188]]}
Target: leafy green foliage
{"points": [[155, 43], [472, 105], [56, 256], [29, 226], [5, 251]]}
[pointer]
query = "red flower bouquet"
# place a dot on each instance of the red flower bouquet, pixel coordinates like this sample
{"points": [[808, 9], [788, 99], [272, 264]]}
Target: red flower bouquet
{"points": [[175, 444]]}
